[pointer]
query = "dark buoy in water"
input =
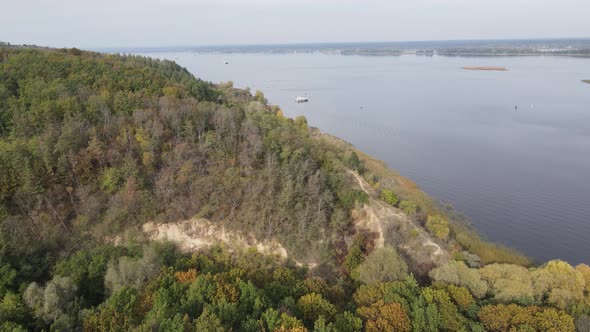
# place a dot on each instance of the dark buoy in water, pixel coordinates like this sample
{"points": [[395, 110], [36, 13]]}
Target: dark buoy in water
{"points": [[515, 107]]}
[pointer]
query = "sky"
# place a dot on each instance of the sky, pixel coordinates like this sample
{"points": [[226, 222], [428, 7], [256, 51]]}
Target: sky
{"points": [[136, 23]]}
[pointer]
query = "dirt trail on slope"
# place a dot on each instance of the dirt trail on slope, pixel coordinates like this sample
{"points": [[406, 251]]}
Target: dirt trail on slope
{"points": [[397, 229]]}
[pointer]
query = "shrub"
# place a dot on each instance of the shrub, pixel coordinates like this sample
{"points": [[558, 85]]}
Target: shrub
{"points": [[438, 225], [408, 207], [350, 198], [389, 197], [111, 180]]}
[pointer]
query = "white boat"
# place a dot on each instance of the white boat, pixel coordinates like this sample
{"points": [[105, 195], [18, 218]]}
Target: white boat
{"points": [[301, 99]]}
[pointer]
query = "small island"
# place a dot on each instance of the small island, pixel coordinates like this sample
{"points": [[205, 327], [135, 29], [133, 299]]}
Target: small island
{"points": [[485, 68], [586, 81]]}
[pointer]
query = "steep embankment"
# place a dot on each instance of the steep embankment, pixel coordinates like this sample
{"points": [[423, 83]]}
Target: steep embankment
{"points": [[397, 229], [389, 225]]}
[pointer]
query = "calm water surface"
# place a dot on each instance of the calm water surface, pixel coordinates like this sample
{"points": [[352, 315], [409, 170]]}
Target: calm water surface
{"points": [[522, 176]]}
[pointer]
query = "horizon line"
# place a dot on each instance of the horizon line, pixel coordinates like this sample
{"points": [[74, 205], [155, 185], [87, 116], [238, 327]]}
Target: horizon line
{"points": [[335, 43]]}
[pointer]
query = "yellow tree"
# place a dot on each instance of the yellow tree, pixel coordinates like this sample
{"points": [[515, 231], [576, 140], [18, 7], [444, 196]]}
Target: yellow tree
{"points": [[381, 317]]}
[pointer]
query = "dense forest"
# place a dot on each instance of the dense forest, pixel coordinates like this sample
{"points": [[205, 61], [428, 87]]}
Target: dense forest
{"points": [[93, 146]]}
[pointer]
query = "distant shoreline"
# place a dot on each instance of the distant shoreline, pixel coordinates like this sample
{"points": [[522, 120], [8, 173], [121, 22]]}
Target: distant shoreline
{"points": [[570, 47], [485, 68], [586, 81]]}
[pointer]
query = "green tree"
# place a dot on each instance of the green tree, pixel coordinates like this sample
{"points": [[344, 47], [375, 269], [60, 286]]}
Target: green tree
{"points": [[321, 325], [118, 313], [314, 305], [433, 318], [12, 308], [87, 268], [209, 322], [132, 272], [7, 276], [348, 322], [354, 162], [450, 317], [51, 301], [356, 253], [383, 264], [11, 327]]}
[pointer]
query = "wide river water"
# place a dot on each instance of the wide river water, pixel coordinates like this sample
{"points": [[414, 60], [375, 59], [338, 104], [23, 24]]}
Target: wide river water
{"points": [[511, 150]]}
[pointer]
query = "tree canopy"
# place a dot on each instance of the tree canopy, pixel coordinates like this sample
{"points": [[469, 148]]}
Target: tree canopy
{"points": [[92, 146]]}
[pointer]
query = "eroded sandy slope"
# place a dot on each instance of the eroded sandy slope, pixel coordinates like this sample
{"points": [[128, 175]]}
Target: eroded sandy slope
{"points": [[395, 228]]}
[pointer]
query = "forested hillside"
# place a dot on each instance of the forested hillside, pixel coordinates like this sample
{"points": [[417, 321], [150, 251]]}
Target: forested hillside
{"points": [[93, 146]]}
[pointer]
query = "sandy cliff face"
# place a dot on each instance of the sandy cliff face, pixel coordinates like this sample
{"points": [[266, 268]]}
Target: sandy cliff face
{"points": [[195, 234]]}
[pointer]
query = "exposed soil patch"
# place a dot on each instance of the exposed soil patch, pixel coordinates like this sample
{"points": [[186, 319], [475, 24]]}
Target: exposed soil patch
{"points": [[196, 234]]}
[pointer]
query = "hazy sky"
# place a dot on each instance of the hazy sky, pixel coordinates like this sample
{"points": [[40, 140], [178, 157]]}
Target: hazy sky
{"points": [[103, 23]]}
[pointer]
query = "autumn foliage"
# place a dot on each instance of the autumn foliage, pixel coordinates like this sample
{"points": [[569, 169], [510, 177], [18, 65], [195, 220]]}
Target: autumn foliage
{"points": [[380, 317]]}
